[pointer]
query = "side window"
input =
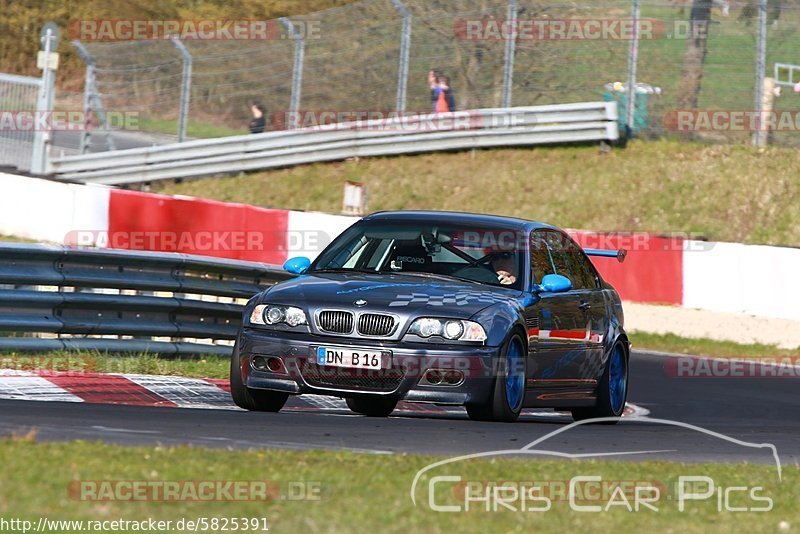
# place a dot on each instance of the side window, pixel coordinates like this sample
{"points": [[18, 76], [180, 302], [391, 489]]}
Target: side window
{"points": [[585, 267], [541, 264], [555, 253], [558, 255], [582, 272]]}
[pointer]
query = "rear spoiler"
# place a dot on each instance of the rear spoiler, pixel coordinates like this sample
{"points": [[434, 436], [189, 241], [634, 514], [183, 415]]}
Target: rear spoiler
{"points": [[619, 254]]}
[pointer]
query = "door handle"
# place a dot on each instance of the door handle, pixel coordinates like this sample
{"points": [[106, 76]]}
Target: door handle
{"points": [[585, 306]]}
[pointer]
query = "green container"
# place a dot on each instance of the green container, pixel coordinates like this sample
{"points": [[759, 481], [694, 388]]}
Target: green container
{"points": [[640, 112]]}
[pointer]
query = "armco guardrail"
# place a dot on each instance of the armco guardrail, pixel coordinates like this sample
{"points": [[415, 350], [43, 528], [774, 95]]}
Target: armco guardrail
{"points": [[79, 294], [567, 123]]}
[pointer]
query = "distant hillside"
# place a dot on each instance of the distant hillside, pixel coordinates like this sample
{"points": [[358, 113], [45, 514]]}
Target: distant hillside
{"points": [[725, 193], [21, 21]]}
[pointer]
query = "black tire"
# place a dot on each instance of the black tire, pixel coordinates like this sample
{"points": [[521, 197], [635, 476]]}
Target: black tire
{"points": [[372, 405], [256, 400], [605, 407], [497, 408]]}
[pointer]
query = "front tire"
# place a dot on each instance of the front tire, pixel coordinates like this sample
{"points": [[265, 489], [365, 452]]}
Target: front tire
{"points": [[256, 400], [372, 405], [508, 392], [612, 391]]}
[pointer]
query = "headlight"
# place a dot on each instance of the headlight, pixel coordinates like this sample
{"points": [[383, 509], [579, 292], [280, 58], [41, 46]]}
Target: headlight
{"points": [[268, 314], [454, 329]]}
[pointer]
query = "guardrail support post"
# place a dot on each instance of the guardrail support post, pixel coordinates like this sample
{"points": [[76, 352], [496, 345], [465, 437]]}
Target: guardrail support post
{"points": [[299, 58], [511, 50], [405, 48], [186, 85], [91, 100], [44, 104], [633, 63]]}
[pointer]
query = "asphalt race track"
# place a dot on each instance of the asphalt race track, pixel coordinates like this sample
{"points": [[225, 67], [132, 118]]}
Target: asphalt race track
{"points": [[754, 410]]}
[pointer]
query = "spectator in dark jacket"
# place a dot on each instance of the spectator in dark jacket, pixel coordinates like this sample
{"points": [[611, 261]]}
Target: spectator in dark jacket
{"points": [[259, 122]]}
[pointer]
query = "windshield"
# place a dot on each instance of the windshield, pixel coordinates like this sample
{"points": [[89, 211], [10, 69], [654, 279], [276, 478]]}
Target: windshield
{"points": [[485, 255]]}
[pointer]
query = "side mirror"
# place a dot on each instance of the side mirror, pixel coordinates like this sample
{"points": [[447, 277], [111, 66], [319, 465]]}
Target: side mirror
{"points": [[297, 265], [555, 283]]}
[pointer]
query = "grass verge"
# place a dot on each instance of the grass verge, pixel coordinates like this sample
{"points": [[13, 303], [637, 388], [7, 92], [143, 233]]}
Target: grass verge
{"points": [[193, 129], [708, 347], [96, 362], [371, 493], [15, 239], [659, 186]]}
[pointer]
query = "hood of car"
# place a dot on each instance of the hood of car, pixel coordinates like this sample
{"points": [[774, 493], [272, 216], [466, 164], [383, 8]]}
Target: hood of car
{"points": [[400, 294]]}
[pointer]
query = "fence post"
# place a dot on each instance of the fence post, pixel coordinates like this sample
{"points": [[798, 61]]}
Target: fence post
{"points": [[91, 100], [405, 47], [44, 101], [633, 64], [511, 49], [762, 134], [299, 57], [186, 86], [87, 106]]}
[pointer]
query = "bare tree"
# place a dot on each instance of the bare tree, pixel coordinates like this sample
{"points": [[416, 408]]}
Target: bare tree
{"points": [[749, 12], [695, 55]]}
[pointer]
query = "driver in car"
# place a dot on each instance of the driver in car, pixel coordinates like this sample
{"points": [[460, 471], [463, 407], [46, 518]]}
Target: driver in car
{"points": [[505, 267]]}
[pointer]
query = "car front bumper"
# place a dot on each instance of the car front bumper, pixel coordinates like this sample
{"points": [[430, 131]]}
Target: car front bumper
{"points": [[406, 376]]}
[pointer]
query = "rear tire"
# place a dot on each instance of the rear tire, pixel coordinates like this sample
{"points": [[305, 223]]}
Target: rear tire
{"points": [[256, 400], [372, 405], [508, 392], [612, 391]]}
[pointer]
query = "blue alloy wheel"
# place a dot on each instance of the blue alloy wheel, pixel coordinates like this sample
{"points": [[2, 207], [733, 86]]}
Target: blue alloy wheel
{"points": [[515, 374], [617, 379]]}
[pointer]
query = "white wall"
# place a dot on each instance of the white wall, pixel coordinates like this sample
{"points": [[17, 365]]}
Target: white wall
{"points": [[727, 277], [752, 279], [48, 211], [310, 232]]}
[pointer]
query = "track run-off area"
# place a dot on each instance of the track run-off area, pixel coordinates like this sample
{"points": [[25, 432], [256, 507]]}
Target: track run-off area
{"points": [[698, 416]]}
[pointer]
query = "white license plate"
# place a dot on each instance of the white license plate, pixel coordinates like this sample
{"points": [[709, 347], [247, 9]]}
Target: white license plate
{"points": [[349, 357]]}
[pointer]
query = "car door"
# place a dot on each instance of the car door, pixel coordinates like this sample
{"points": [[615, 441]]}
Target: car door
{"points": [[557, 322], [586, 284]]}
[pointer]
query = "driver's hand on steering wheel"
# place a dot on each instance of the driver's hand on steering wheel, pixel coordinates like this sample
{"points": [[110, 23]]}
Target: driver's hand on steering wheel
{"points": [[506, 278]]}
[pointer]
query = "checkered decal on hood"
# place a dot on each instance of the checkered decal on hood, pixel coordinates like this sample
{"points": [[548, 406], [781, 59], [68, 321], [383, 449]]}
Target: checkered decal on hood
{"points": [[462, 298]]}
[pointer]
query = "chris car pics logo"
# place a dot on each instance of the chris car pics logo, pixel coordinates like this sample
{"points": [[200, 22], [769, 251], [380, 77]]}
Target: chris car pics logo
{"points": [[447, 486]]}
